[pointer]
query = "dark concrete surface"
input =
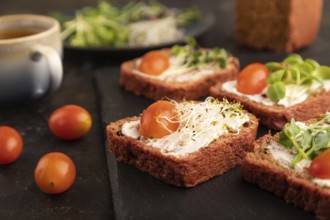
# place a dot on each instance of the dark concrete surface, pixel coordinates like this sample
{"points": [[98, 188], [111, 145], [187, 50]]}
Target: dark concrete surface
{"points": [[91, 80]]}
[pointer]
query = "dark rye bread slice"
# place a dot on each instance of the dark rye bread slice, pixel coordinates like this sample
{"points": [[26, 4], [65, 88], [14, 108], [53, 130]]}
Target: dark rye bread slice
{"points": [[275, 117], [259, 168], [187, 171], [156, 89]]}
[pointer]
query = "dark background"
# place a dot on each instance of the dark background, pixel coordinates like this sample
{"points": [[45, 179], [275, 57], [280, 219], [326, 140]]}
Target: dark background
{"points": [[90, 80]]}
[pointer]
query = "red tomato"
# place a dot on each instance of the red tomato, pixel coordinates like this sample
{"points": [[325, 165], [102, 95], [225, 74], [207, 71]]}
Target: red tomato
{"points": [[70, 122], [154, 63], [159, 120], [11, 145], [55, 173], [252, 79], [320, 166]]}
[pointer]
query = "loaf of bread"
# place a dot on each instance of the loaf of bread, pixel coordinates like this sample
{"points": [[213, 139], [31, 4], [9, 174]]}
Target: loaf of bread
{"points": [[276, 24], [194, 87], [275, 117], [269, 167], [194, 167]]}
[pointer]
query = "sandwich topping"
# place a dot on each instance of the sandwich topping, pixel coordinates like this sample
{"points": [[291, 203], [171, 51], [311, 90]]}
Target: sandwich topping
{"points": [[290, 82], [305, 148], [186, 63], [200, 123]]}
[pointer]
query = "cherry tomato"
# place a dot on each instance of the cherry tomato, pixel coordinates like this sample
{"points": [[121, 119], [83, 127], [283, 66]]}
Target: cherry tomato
{"points": [[252, 79], [154, 63], [11, 145], [55, 173], [70, 122], [159, 120], [320, 166]]}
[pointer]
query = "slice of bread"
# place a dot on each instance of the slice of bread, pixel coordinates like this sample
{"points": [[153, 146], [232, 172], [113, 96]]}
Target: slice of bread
{"points": [[277, 25], [157, 89], [275, 117], [189, 170], [260, 168]]}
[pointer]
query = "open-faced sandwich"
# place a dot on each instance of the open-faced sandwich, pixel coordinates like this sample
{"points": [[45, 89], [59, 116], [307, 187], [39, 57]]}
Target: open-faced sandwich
{"points": [[184, 143], [295, 164], [277, 92], [181, 72]]}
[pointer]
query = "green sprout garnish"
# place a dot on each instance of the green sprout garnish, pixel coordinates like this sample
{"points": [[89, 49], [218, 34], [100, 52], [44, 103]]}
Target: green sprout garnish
{"points": [[195, 57], [293, 71], [309, 142], [107, 25]]}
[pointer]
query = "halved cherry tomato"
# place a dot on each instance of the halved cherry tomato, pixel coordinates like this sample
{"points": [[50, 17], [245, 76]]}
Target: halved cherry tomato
{"points": [[159, 120], [70, 122], [11, 144], [320, 166], [154, 63], [252, 79], [55, 173]]}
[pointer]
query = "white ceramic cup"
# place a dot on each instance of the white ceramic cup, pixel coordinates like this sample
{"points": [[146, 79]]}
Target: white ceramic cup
{"points": [[30, 56]]}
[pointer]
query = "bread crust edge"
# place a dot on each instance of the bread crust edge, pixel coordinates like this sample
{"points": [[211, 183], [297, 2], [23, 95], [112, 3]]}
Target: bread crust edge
{"points": [[260, 169], [275, 117], [187, 171], [157, 89]]}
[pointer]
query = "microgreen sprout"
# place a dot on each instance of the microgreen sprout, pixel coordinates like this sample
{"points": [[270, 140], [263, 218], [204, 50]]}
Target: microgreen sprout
{"points": [[294, 71], [201, 123], [194, 57], [309, 141], [161, 118]]}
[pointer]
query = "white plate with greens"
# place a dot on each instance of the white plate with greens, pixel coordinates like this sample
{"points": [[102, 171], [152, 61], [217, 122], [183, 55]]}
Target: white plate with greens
{"points": [[134, 27]]}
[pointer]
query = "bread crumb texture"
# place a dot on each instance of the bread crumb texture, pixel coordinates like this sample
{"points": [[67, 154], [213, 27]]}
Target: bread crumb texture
{"points": [[259, 168], [219, 156], [276, 24]]}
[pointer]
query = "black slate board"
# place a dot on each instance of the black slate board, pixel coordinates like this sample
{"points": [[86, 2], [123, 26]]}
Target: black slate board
{"points": [[137, 195]]}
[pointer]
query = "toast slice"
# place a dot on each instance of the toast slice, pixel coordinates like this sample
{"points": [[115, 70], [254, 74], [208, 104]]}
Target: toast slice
{"points": [[259, 167], [275, 117], [188, 170], [156, 89]]}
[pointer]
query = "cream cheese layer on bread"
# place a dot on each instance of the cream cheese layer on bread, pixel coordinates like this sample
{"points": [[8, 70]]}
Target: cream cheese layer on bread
{"points": [[201, 123], [187, 63], [295, 94], [177, 72], [285, 156], [299, 144]]}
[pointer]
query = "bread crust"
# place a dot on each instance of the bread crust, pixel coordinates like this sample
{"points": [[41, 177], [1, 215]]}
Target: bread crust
{"points": [[259, 168], [277, 25], [185, 171], [275, 117], [156, 89]]}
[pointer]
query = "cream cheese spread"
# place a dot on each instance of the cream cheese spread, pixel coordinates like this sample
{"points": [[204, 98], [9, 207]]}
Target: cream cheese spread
{"points": [[285, 156], [179, 73], [200, 124], [294, 94]]}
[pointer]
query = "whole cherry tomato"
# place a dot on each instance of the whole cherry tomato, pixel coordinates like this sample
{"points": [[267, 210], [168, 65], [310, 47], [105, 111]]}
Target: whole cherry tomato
{"points": [[154, 63], [159, 120], [70, 122], [252, 79], [320, 166], [55, 173], [11, 145]]}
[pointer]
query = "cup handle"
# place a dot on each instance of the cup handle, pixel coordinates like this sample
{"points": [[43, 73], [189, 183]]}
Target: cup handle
{"points": [[54, 62]]}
